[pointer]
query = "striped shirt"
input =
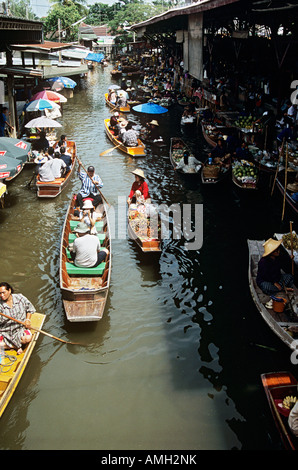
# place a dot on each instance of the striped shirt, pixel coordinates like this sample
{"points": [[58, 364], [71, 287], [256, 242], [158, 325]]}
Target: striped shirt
{"points": [[87, 186]]}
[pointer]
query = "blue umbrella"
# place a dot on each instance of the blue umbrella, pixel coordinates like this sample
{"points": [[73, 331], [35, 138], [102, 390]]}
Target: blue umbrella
{"points": [[94, 57], [65, 81], [150, 108]]}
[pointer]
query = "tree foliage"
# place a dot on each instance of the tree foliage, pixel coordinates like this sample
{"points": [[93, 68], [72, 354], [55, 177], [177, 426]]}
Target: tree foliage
{"points": [[68, 14], [22, 9]]}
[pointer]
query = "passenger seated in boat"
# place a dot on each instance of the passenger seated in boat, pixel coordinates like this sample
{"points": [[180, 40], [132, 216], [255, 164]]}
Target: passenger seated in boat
{"points": [[62, 142], [58, 166], [41, 144], [45, 171], [88, 215], [90, 186], [189, 164], [86, 251], [19, 307], [270, 277], [66, 158], [121, 99], [120, 128], [139, 191], [114, 122], [112, 97], [293, 419], [130, 136]]}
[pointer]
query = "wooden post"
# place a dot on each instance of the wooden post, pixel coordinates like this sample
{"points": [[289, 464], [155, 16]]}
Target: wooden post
{"points": [[285, 188]]}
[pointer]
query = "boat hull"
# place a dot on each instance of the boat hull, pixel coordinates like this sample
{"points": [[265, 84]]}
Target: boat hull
{"points": [[136, 152], [84, 296], [10, 378], [54, 188]]}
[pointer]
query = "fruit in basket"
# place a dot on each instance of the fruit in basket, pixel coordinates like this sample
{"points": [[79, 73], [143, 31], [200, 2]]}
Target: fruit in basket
{"points": [[286, 239], [289, 402]]}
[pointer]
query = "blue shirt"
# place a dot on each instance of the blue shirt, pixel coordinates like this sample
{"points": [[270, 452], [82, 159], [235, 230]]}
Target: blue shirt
{"points": [[87, 186]]}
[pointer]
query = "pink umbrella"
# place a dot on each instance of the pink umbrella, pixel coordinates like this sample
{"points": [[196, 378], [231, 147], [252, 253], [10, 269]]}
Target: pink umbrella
{"points": [[49, 95]]}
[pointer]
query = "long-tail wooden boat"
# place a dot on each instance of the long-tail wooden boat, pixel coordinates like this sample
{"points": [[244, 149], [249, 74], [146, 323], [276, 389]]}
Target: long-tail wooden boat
{"points": [[13, 366], [84, 290], [284, 324], [138, 151], [2, 194], [214, 173], [286, 193], [177, 149], [279, 386], [245, 175], [143, 229], [54, 188], [121, 109], [212, 132]]}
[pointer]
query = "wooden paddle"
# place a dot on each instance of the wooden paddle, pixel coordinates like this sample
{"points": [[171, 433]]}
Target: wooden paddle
{"points": [[285, 183], [292, 254], [94, 182], [277, 168], [37, 329], [109, 150]]}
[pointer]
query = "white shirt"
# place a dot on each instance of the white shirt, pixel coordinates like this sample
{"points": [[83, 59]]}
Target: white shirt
{"points": [[193, 164], [46, 173], [86, 248], [57, 164], [293, 419]]}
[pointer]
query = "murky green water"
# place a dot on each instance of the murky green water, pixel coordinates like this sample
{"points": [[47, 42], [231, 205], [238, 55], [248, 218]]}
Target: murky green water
{"points": [[175, 362]]}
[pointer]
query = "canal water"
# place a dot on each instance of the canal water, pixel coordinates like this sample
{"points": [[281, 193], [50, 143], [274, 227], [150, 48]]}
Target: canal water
{"points": [[175, 362]]}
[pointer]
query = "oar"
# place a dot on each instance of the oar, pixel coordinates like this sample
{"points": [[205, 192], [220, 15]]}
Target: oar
{"points": [[109, 150], [277, 167], [286, 182], [94, 182], [292, 256], [37, 329], [29, 183]]}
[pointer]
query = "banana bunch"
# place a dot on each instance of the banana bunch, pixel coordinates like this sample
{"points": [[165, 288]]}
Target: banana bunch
{"points": [[289, 402]]}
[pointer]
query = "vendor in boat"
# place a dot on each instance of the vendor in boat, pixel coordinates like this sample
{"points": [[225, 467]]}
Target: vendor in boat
{"points": [[270, 277], [218, 152], [19, 307], [153, 131], [42, 143], [86, 251], [188, 164], [91, 183], [243, 153], [139, 191]]}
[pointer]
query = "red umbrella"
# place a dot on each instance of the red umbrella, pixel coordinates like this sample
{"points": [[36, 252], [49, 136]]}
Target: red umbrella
{"points": [[49, 95]]}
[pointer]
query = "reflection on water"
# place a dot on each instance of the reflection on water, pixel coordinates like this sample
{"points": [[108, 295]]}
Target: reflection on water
{"points": [[173, 364]]}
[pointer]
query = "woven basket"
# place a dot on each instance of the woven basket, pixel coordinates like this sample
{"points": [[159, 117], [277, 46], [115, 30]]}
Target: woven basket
{"points": [[211, 171]]}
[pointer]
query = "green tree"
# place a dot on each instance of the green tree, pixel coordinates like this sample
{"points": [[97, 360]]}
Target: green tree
{"points": [[22, 9], [79, 4], [100, 13], [68, 14]]}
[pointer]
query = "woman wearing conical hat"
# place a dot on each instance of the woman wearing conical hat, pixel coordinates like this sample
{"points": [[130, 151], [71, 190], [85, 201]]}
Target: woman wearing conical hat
{"points": [[139, 191], [274, 270]]}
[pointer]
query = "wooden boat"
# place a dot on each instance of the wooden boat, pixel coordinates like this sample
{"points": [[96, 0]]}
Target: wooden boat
{"points": [[288, 193], [2, 194], [143, 230], [282, 324], [84, 290], [14, 364], [121, 109], [245, 175], [54, 188], [177, 149], [278, 386], [138, 151], [212, 132], [214, 173]]}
